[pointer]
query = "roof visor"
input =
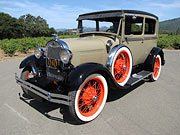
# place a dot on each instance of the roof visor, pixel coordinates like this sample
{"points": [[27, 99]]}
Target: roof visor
{"points": [[99, 16]]}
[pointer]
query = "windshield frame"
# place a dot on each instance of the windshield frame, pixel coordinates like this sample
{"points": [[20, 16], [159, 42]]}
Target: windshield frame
{"points": [[80, 27]]}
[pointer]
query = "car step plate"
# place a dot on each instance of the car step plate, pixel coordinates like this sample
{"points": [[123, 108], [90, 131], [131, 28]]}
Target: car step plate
{"points": [[138, 77]]}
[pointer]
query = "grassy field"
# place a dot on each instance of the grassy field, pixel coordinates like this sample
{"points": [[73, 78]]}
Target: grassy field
{"points": [[10, 46], [169, 41]]}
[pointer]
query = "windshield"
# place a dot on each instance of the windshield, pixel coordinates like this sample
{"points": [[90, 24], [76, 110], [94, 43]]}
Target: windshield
{"points": [[98, 26]]}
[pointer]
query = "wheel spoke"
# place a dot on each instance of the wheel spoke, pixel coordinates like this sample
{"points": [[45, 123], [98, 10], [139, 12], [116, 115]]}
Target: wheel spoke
{"points": [[95, 85], [121, 66], [90, 96]]}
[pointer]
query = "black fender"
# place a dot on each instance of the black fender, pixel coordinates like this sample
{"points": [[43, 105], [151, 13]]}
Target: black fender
{"points": [[29, 62], [77, 76], [113, 52], [149, 63]]}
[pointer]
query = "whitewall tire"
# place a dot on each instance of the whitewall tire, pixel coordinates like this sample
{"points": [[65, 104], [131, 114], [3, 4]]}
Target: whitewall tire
{"points": [[122, 66], [89, 100]]}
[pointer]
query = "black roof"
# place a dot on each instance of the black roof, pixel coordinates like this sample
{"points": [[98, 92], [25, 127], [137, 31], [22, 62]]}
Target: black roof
{"points": [[111, 13]]}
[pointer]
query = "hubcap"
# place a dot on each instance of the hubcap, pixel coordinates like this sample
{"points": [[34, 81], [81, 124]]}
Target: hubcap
{"points": [[95, 98]]}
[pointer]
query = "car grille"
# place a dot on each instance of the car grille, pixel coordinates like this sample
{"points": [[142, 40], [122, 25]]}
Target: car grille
{"points": [[53, 49]]}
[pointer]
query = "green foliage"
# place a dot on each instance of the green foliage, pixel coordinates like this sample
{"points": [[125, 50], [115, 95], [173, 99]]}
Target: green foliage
{"points": [[25, 26], [10, 46], [52, 31], [10, 27], [66, 33], [169, 41], [35, 26], [135, 28]]}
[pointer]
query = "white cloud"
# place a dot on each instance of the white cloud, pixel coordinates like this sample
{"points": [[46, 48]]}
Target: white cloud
{"points": [[64, 16], [58, 16], [10, 9]]}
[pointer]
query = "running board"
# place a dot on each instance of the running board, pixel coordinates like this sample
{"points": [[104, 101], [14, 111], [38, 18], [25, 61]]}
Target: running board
{"points": [[135, 78]]}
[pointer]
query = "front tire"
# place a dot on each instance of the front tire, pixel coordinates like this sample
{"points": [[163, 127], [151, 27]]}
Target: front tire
{"points": [[89, 100], [25, 74]]}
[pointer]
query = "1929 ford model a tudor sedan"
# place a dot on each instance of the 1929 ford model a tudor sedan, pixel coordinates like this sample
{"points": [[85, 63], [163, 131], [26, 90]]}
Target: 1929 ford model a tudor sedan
{"points": [[116, 49]]}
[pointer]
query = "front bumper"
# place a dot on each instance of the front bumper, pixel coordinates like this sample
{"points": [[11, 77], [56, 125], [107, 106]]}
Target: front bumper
{"points": [[51, 97]]}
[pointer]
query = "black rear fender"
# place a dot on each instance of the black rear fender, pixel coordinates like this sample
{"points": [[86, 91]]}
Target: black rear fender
{"points": [[80, 73], [149, 63]]}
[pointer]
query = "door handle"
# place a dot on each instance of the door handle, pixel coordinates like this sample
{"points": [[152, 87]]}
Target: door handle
{"points": [[142, 40]]}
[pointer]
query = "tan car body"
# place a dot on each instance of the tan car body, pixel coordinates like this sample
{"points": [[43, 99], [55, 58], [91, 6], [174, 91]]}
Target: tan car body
{"points": [[72, 72], [92, 47]]}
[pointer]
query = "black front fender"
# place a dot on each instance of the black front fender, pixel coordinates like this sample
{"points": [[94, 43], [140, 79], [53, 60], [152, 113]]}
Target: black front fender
{"points": [[80, 73], [30, 62], [149, 63]]}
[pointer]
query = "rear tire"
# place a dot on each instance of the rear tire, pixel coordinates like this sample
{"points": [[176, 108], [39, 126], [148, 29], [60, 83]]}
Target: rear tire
{"points": [[88, 101], [157, 69], [122, 66]]}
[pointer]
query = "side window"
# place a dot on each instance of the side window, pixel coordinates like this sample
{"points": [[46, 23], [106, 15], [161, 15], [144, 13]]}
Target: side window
{"points": [[149, 26], [89, 25], [106, 26], [133, 25]]}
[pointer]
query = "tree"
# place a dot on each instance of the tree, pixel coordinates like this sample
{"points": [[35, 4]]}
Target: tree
{"points": [[10, 27], [52, 31], [35, 26], [28, 24], [25, 26]]}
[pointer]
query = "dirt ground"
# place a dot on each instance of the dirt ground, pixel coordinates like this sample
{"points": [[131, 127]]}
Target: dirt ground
{"points": [[17, 55]]}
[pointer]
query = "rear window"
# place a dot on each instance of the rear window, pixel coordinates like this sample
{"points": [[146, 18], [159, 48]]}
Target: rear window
{"points": [[149, 26]]}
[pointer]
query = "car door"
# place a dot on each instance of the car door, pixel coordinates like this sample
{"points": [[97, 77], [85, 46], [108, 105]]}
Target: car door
{"points": [[133, 37], [150, 34]]}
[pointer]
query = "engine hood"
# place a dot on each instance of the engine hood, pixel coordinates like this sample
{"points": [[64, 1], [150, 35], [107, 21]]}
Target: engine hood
{"points": [[88, 49], [85, 44]]}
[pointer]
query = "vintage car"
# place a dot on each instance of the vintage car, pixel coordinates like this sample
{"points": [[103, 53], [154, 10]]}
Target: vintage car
{"points": [[115, 50]]}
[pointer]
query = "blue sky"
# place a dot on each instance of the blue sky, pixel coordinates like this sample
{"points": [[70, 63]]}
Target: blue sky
{"points": [[63, 13]]}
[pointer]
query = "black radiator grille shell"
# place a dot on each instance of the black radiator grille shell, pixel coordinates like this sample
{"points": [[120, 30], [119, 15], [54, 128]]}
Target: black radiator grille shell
{"points": [[53, 49]]}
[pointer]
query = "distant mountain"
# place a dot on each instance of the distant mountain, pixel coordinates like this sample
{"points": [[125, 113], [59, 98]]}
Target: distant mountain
{"points": [[62, 30], [103, 28], [169, 25], [87, 29]]}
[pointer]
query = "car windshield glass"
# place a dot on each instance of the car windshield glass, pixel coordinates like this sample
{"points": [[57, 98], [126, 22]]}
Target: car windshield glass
{"points": [[98, 26]]}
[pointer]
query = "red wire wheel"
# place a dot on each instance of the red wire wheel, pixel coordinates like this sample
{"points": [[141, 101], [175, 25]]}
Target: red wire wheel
{"points": [[122, 66], [25, 75], [157, 68], [28, 75], [91, 97]]}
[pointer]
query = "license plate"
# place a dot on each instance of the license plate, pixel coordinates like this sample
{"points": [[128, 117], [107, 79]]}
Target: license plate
{"points": [[52, 63]]}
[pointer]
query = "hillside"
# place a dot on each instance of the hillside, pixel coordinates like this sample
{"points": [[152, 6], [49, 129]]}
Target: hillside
{"points": [[169, 25]]}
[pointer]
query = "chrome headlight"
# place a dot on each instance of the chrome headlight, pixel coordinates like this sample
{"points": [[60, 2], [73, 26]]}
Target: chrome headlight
{"points": [[38, 52], [65, 56]]}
